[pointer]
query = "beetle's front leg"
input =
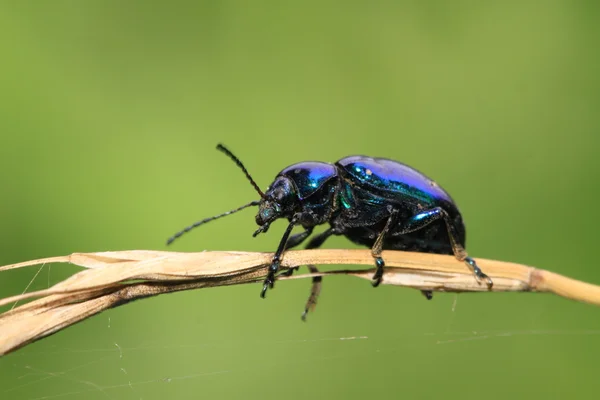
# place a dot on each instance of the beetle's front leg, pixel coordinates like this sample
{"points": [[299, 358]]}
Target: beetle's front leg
{"points": [[294, 241], [276, 261]]}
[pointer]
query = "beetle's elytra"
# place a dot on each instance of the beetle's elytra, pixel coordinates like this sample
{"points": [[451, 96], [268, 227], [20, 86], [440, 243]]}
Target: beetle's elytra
{"points": [[375, 202]]}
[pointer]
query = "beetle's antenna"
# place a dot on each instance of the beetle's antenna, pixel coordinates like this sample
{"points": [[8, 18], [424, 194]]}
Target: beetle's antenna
{"points": [[239, 164], [196, 224]]}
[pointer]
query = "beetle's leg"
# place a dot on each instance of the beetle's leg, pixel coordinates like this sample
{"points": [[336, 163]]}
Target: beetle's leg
{"points": [[425, 218], [317, 241], [298, 238], [315, 289], [428, 294], [294, 241], [378, 246], [479, 274], [274, 267]]}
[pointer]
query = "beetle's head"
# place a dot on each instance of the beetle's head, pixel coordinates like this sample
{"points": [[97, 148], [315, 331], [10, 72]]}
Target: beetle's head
{"points": [[279, 201]]}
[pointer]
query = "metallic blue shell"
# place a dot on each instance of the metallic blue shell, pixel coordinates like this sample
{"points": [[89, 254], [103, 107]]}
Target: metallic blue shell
{"points": [[392, 176], [309, 176]]}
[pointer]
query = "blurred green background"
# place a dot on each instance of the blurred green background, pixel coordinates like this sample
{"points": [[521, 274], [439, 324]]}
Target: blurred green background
{"points": [[109, 116]]}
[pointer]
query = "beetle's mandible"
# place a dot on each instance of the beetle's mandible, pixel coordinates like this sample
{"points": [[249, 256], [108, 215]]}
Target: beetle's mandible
{"points": [[376, 202]]}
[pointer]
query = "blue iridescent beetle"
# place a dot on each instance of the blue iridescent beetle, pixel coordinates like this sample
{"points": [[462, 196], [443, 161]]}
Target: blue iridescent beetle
{"points": [[376, 202]]}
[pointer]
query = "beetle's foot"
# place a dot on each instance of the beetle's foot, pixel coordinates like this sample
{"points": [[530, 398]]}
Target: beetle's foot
{"points": [[263, 292], [377, 277], [428, 294], [269, 282], [479, 274], [376, 281]]}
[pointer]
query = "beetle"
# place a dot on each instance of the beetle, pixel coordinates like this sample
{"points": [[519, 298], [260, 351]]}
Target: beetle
{"points": [[375, 202]]}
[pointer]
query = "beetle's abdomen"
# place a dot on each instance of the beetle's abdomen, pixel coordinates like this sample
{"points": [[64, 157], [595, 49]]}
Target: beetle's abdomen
{"points": [[395, 178], [430, 239], [309, 176]]}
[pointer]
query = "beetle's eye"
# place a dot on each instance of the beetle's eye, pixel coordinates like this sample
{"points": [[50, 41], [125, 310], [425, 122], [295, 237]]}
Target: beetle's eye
{"points": [[267, 214]]}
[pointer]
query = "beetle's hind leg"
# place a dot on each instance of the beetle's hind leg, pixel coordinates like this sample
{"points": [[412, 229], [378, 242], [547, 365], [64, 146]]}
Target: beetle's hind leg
{"points": [[479, 274], [425, 218], [378, 247]]}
